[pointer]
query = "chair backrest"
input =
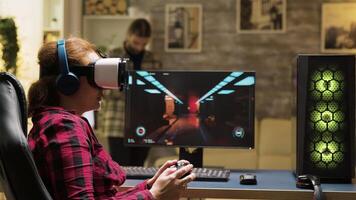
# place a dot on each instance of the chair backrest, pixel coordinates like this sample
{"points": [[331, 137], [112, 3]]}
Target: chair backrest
{"points": [[18, 173]]}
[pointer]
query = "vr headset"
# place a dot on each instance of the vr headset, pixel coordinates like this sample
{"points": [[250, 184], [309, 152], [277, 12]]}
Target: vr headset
{"points": [[105, 73]]}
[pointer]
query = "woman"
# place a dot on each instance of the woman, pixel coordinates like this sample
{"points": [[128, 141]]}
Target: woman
{"points": [[70, 160]]}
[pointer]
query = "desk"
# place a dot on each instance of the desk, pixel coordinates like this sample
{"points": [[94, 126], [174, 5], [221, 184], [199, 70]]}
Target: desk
{"points": [[271, 184]]}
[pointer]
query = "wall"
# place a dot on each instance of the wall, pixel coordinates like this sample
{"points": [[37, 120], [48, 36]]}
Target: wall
{"points": [[270, 55], [29, 24], [72, 18], [28, 19]]}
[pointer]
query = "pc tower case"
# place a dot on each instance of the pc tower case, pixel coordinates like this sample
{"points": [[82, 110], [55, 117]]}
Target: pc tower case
{"points": [[326, 116]]}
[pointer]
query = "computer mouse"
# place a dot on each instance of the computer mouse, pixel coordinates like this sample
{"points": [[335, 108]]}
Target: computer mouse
{"points": [[307, 181], [248, 179]]}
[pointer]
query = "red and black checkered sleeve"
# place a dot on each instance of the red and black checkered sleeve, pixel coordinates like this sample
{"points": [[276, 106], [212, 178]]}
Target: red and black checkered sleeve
{"points": [[69, 161]]}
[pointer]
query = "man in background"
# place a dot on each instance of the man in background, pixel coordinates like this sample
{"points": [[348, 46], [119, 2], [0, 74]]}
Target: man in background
{"points": [[111, 117]]}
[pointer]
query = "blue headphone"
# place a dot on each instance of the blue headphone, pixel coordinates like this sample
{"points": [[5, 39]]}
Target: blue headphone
{"points": [[67, 82]]}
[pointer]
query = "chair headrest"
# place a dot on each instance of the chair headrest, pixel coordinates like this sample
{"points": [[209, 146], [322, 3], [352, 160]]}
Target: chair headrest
{"points": [[11, 79], [18, 172]]}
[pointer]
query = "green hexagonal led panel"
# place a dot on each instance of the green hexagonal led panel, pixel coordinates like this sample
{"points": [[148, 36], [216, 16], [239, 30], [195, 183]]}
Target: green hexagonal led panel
{"points": [[333, 85], [315, 156], [327, 75], [333, 106], [339, 116], [320, 126], [315, 138], [338, 138], [333, 147], [321, 106], [333, 126], [332, 165], [316, 94], [342, 125], [321, 85], [316, 75], [338, 95], [320, 146], [326, 117], [315, 116], [327, 95], [339, 157], [311, 86], [339, 76], [327, 157], [327, 137], [321, 165]]}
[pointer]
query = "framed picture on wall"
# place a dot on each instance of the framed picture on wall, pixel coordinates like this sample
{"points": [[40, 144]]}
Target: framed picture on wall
{"points": [[338, 28], [261, 16], [183, 28]]}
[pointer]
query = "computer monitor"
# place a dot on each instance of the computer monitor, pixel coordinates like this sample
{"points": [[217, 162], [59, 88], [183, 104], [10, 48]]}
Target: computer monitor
{"points": [[190, 108]]}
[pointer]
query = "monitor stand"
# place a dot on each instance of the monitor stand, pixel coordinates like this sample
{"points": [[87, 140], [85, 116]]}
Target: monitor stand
{"points": [[195, 156]]}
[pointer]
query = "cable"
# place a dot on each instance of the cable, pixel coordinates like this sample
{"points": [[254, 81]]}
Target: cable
{"points": [[309, 181]]}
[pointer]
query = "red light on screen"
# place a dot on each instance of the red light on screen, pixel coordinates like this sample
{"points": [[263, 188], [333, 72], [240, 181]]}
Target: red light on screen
{"points": [[193, 107]]}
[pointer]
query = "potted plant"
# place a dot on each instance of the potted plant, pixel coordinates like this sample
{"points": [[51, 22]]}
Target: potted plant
{"points": [[10, 47]]}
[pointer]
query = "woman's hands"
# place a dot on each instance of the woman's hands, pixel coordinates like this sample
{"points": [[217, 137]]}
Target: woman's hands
{"points": [[167, 182], [166, 165]]}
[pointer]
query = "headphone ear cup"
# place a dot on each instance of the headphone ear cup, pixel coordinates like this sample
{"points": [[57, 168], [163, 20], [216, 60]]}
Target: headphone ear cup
{"points": [[68, 84]]}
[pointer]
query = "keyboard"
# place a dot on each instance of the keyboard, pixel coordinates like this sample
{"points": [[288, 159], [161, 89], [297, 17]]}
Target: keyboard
{"points": [[202, 174]]}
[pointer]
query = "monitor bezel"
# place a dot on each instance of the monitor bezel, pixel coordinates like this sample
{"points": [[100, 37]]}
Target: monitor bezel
{"points": [[127, 112]]}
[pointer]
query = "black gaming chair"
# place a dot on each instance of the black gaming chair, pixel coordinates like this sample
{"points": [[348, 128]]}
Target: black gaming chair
{"points": [[18, 173]]}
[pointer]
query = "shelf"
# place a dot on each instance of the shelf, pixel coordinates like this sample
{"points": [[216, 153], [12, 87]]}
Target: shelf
{"points": [[53, 12], [51, 29], [107, 17], [107, 31]]}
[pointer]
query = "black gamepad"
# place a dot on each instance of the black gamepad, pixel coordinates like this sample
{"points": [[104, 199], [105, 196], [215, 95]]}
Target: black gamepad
{"points": [[181, 164]]}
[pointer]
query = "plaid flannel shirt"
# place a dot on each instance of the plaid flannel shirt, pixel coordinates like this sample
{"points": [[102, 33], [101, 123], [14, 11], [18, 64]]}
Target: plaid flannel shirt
{"points": [[72, 163]]}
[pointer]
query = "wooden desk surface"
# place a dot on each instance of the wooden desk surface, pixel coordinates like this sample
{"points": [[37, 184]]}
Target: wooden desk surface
{"points": [[271, 184]]}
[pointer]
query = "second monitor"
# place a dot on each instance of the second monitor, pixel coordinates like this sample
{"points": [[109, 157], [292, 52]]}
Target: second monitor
{"points": [[190, 108]]}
